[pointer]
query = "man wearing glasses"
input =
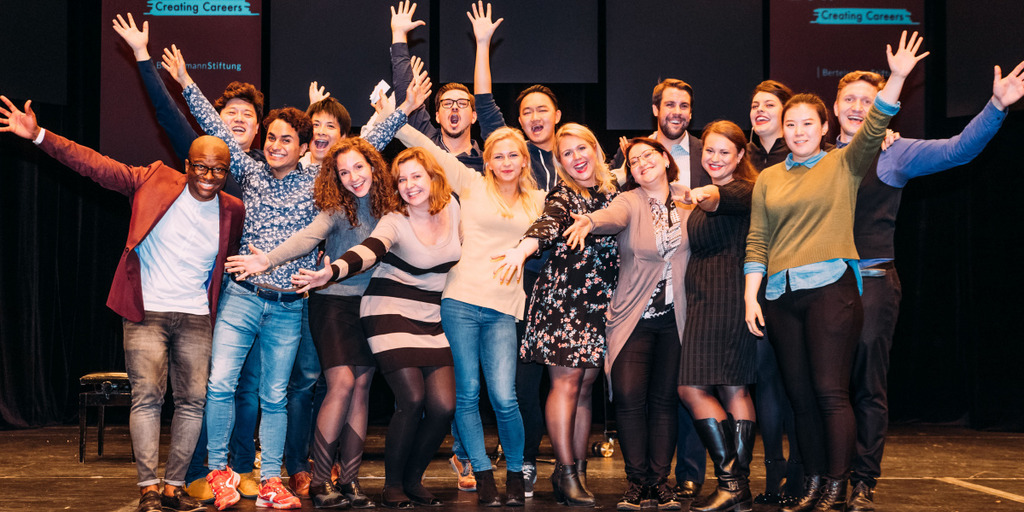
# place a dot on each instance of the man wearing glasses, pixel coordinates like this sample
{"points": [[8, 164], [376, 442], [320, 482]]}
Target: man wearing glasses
{"points": [[166, 288]]}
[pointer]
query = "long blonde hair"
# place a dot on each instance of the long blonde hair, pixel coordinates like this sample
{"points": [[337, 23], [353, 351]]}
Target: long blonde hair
{"points": [[526, 182], [605, 180]]}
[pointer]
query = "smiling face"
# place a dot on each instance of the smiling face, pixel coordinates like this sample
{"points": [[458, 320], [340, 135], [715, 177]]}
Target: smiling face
{"points": [[207, 167], [506, 161], [647, 165], [852, 105], [766, 114], [326, 133], [454, 119], [538, 117], [414, 184], [673, 113], [240, 117], [803, 129], [720, 157], [282, 148], [578, 159], [355, 173]]}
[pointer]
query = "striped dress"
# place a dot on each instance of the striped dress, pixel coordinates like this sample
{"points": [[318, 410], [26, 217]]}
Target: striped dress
{"points": [[401, 309]]}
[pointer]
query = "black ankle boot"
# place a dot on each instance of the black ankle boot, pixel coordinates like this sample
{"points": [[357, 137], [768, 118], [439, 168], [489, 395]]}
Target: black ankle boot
{"points": [[515, 490], [486, 490], [581, 471], [833, 496], [355, 495], [813, 485], [775, 470], [324, 495], [721, 440], [565, 482]]}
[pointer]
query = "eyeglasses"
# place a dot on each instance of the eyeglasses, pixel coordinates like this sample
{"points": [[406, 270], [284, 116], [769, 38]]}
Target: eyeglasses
{"points": [[202, 170], [646, 155], [462, 103]]}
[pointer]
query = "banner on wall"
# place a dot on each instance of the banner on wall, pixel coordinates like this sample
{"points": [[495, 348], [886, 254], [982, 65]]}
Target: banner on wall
{"points": [[814, 43], [220, 41]]}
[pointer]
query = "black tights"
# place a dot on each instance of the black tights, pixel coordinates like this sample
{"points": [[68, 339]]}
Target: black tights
{"points": [[569, 411], [704, 404], [815, 336], [425, 405], [341, 423], [644, 377]]}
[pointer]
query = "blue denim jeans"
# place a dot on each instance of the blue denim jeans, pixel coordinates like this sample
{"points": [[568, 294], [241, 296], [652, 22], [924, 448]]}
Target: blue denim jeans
{"points": [[303, 381], [242, 448], [482, 338], [165, 343], [241, 318]]}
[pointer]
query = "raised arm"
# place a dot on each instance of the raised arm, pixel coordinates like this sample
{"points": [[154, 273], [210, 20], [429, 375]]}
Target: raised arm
{"points": [[317, 92], [170, 118], [901, 64], [402, 70], [483, 31], [381, 133], [458, 175]]}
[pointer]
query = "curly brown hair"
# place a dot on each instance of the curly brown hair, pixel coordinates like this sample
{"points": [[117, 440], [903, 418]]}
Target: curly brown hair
{"points": [[330, 196]]}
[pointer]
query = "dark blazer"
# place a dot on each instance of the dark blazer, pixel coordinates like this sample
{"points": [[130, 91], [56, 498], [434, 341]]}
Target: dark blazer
{"points": [[698, 176], [151, 191]]}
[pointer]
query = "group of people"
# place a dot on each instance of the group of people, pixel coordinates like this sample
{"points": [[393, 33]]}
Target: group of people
{"points": [[688, 270]]}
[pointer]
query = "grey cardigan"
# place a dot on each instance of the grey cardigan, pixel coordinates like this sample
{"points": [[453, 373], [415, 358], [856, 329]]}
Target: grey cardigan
{"points": [[640, 267]]}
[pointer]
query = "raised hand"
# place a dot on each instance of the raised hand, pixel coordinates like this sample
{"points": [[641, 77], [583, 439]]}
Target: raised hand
{"points": [[1007, 90], [174, 63], [577, 233], [483, 27], [137, 39], [22, 124], [317, 92], [402, 22], [903, 61], [309, 279], [247, 264], [419, 87]]}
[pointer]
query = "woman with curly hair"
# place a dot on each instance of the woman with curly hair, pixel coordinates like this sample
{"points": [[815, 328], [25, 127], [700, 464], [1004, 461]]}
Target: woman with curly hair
{"points": [[353, 190]]}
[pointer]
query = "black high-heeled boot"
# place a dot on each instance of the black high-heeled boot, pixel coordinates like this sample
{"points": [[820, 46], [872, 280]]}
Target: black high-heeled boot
{"points": [[565, 482], [581, 471], [515, 489], [486, 490], [833, 496], [733, 491], [813, 485]]}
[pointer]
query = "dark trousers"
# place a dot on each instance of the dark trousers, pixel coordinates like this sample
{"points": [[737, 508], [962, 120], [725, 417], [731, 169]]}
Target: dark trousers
{"points": [[869, 384], [528, 384], [815, 336], [691, 461], [644, 378]]}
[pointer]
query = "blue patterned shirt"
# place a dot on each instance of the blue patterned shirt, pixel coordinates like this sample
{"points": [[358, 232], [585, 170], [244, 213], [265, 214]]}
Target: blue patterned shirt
{"points": [[274, 208]]}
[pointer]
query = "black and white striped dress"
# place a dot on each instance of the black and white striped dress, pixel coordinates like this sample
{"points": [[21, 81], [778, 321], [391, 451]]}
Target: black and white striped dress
{"points": [[401, 309]]}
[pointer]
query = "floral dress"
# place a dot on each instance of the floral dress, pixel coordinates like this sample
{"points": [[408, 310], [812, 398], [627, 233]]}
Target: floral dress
{"points": [[565, 321]]}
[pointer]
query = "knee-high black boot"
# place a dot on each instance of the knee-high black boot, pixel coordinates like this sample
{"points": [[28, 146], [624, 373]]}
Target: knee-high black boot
{"points": [[733, 491]]}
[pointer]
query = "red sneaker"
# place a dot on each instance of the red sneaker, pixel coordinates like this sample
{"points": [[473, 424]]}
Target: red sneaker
{"points": [[273, 494], [223, 483]]}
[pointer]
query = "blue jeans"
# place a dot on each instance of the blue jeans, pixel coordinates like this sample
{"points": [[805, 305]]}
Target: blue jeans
{"points": [[300, 400], [241, 318], [482, 338], [166, 343], [242, 448]]}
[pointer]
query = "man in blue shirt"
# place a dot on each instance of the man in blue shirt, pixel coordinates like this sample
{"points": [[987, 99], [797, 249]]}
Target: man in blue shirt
{"points": [[878, 201]]}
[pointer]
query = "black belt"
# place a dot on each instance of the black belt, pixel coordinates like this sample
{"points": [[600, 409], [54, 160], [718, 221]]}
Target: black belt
{"points": [[273, 295], [878, 269]]}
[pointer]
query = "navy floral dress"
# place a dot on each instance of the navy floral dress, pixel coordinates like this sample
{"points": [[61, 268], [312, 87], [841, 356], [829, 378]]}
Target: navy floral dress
{"points": [[565, 322]]}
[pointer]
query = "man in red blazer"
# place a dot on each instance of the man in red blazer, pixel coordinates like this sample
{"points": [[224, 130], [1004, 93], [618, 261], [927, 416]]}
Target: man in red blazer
{"points": [[166, 288]]}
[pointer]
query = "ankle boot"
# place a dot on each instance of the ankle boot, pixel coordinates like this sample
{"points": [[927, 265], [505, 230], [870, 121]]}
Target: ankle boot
{"points": [[733, 491], [581, 471], [486, 490], [833, 496], [813, 485], [775, 470], [515, 490], [565, 482]]}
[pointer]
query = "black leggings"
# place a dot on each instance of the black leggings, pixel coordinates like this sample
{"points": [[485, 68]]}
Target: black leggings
{"points": [[815, 336], [644, 377], [425, 405]]}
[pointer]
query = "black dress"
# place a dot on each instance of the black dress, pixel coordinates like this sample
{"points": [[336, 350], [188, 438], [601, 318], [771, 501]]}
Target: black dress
{"points": [[718, 349], [565, 322]]}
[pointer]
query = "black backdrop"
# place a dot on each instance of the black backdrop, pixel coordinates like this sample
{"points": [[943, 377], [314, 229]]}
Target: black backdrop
{"points": [[958, 346]]}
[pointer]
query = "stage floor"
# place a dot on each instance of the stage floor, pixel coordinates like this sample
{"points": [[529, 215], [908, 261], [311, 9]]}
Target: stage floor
{"points": [[925, 468]]}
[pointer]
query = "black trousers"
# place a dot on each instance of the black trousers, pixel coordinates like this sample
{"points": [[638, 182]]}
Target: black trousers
{"points": [[528, 386], [815, 336], [644, 378], [870, 368]]}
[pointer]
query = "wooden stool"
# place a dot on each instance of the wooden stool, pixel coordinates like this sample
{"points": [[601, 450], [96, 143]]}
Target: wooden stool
{"points": [[101, 389]]}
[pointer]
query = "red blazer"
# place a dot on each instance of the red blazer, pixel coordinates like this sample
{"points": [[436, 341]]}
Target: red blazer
{"points": [[151, 190]]}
